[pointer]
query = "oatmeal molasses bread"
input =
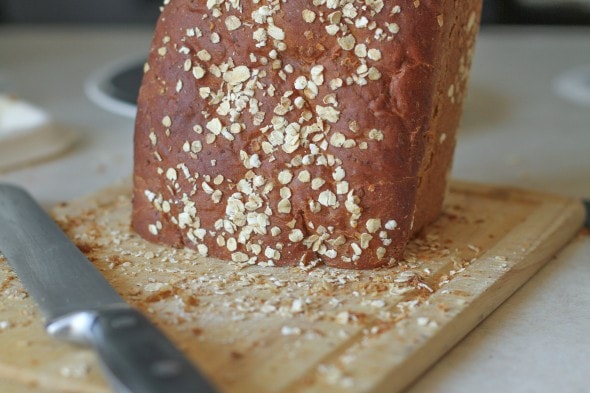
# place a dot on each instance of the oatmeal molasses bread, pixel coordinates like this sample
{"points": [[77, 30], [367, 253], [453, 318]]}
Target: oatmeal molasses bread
{"points": [[288, 132]]}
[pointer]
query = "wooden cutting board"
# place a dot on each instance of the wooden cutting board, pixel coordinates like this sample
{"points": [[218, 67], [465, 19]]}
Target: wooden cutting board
{"points": [[265, 329]]}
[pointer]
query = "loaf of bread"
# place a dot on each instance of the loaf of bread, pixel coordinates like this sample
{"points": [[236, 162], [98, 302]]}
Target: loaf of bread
{"points": [[300, 131]]}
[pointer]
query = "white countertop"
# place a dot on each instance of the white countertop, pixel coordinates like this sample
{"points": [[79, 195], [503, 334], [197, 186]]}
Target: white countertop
{"points": [[516, 131]]}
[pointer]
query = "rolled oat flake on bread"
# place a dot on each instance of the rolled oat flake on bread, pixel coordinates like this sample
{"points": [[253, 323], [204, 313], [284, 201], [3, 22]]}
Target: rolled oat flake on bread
{"points": [[300, 131]]}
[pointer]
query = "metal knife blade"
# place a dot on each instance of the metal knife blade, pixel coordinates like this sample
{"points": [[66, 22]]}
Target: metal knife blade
{"points": [[79, 304], [54, 271]]}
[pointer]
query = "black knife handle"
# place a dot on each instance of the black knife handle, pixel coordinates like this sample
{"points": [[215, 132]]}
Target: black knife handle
{"points": [[139, 358]]}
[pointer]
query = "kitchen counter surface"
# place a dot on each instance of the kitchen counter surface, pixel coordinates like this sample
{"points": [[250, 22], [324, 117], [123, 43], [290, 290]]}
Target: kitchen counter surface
{"points": [[516, 131]]}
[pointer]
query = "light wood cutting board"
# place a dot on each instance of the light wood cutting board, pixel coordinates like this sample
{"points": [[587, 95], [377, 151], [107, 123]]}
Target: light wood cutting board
{"points": [[263, 329]]}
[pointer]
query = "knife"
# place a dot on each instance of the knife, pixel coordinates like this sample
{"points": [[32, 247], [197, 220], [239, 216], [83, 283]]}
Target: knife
{"points": [[80, 306]]}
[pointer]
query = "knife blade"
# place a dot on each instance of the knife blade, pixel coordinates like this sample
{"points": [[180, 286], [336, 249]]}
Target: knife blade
{"points": [[80, 306]]}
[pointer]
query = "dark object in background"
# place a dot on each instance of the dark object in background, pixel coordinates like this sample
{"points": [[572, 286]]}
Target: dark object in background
{"points": [[125, 84], [147, 11], [80, 11], [513, 12]]}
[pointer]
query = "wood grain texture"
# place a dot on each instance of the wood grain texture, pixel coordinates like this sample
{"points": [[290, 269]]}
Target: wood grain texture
{"points": [[268, 329]]}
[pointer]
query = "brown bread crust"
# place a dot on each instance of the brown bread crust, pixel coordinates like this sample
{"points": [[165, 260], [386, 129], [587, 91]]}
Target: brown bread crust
{"points": [[303, 131]]}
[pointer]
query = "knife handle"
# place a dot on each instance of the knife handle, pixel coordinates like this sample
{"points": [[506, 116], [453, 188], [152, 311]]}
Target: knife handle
{"points": [[139, 358]]}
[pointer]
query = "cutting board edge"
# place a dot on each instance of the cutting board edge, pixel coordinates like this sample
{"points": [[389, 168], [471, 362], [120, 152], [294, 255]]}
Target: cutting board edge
{"points": [[570, 208], [556, 214]]}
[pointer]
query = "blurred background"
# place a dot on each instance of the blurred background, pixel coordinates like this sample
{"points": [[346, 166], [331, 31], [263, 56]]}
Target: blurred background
{"points": [[79, 11], [543, 12]]}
